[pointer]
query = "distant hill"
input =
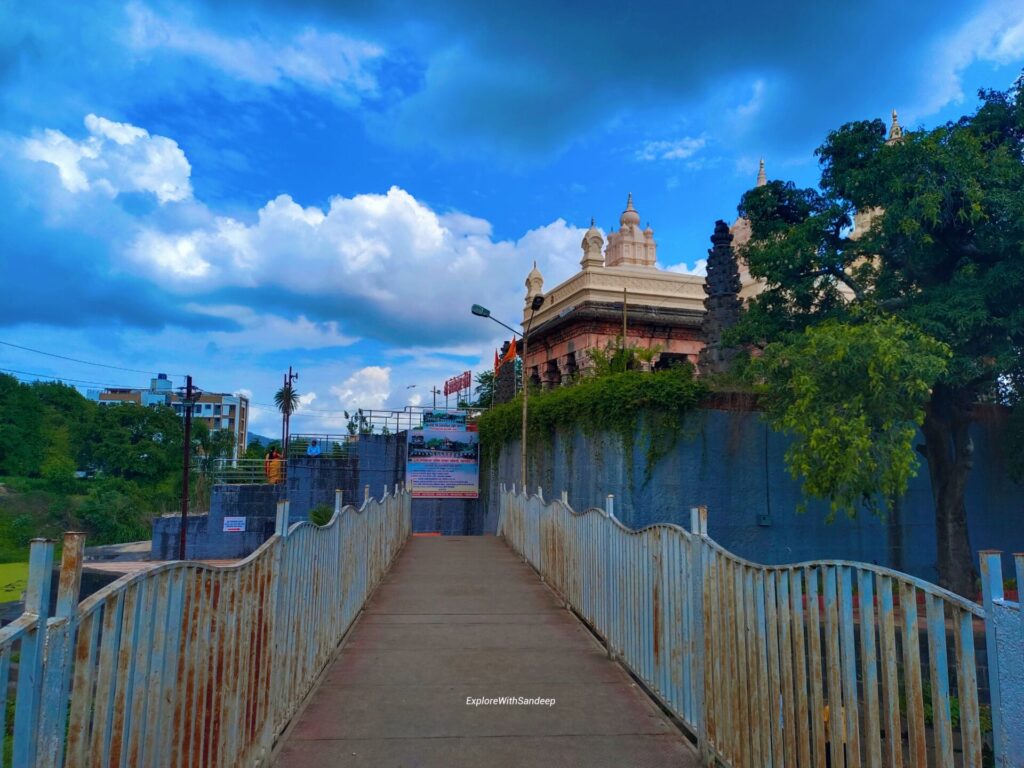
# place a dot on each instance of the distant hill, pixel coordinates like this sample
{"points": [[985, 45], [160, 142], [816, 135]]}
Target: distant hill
{"points": [[252, 437]]}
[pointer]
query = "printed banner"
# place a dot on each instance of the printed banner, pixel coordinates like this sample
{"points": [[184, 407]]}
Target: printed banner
{"points": [[442, 460]]}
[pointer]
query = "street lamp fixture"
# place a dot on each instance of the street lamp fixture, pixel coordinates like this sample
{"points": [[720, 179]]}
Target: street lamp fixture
{"points": [[480, 311]]}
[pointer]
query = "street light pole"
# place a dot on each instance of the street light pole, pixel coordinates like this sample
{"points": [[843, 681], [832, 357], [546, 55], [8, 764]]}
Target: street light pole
{"points": [[185, 461], [535, 303], [534, 306]]}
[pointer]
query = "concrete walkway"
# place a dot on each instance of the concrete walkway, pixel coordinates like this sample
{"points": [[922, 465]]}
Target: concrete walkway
{"points": [[462, 617]]}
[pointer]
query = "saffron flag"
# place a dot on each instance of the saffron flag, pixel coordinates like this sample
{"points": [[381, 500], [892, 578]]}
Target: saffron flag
{"points": [[510, 355], [497, 362]]}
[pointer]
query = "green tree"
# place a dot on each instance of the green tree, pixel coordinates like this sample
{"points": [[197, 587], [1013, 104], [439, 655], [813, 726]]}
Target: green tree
{"points": [[287, 401], [136, 443], [115, 511], [942, 252], [853, 395], [21, 440], [484, 390]]}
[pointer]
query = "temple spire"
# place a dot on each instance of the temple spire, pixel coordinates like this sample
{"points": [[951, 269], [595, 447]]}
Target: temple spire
{"points": [[722, 304], [762, 178], [895, 129]]}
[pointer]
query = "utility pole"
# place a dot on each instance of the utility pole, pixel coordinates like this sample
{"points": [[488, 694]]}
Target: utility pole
{"points": [[435, 391], [186, 459], [286, 416], [535, 304]]}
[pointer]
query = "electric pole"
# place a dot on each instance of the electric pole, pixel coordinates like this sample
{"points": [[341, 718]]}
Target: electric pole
{"points": [[186, 460], [435, 391], [286, 415]]}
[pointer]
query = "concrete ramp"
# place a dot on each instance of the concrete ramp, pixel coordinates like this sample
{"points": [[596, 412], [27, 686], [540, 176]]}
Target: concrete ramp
{"points": [[462, 618]]}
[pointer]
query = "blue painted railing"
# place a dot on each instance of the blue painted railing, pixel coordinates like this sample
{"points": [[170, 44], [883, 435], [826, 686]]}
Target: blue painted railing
{"points": [[187, 664], [812, 664]]}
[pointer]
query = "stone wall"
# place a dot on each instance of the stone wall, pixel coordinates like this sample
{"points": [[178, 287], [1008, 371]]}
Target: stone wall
{"points": [[205, 538], [734, 463]]}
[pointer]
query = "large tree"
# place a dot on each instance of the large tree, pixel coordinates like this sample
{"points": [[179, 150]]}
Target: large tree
{"points": [[940, 245]]}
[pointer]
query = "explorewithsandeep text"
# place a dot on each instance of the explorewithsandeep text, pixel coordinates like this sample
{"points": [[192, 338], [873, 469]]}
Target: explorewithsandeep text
{"points": [[509, 701]]}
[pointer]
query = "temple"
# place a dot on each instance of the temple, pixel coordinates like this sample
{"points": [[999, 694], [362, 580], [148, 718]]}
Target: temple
{"points": [[618, 293]]}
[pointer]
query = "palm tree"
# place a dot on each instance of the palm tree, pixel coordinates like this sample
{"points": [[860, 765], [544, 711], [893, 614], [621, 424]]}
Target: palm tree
{"points": [[287, 400]]}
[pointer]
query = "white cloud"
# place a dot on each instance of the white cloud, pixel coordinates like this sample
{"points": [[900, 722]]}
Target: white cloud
{"points": [[269, 332], [677, 149], [700, 268], [329, 62], [385, 267], [751, 107], [367, 388], [389, 255], [305, 401], [115, 158], [995, 35]]}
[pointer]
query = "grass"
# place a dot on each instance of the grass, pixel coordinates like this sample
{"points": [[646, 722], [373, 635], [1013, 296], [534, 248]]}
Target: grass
{"points": [[13, 578]]}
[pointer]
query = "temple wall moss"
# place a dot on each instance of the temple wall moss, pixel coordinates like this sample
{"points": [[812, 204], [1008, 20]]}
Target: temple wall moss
{"points": [[614, 403]]}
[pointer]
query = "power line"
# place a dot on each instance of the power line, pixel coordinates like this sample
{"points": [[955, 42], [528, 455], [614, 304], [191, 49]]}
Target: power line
{"points": [[63, 378], [83, 362]]}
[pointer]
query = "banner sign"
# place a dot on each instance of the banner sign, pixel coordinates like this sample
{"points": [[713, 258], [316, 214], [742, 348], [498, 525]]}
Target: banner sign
{"points": [[444, 420], [458, 383], [443, 459], [234, 525]]}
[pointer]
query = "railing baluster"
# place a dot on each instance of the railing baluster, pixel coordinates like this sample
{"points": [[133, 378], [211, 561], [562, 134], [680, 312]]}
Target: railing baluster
{"points": [[869, 667], [967, 688], [804, 735], [912, 674], [816, 662], [786, 663], [890, 679], [851, 717], [939, 668]]}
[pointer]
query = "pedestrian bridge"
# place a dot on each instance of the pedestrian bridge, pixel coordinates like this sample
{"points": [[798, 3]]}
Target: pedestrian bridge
{"points": [[569, 640]]}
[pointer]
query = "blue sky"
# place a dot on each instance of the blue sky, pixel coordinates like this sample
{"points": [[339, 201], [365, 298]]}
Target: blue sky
{"points": [[227, 189]]}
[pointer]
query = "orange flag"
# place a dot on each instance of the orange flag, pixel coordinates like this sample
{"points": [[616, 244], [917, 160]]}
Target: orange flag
{"points": [[497, 362], [511, 354]]}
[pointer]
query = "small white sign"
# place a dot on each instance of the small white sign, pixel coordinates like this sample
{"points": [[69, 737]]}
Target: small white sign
{"points": [[234, 525]]}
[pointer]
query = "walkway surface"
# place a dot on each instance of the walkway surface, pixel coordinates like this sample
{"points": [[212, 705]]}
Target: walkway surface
{"points": [[464, 617]]}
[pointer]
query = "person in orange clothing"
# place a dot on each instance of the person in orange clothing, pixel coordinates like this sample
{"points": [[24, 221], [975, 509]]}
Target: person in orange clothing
{"points": [[273, 466]]}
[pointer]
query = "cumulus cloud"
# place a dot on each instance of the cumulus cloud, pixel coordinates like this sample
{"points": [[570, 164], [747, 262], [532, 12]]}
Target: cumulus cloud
{"points": [[329, 62], [114, 158], [700, 268], [367, 388], [387, 264]]}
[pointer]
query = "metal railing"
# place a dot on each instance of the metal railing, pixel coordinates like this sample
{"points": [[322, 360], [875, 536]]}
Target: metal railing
{"points": [[187, 663], [247, 471], [332, 446], [811, 664]]}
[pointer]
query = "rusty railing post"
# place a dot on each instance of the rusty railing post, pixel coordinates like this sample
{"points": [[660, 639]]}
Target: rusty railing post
{"points": [[58, 661], [30, 665], [699, 530], [609, 580], [992, 591]]}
